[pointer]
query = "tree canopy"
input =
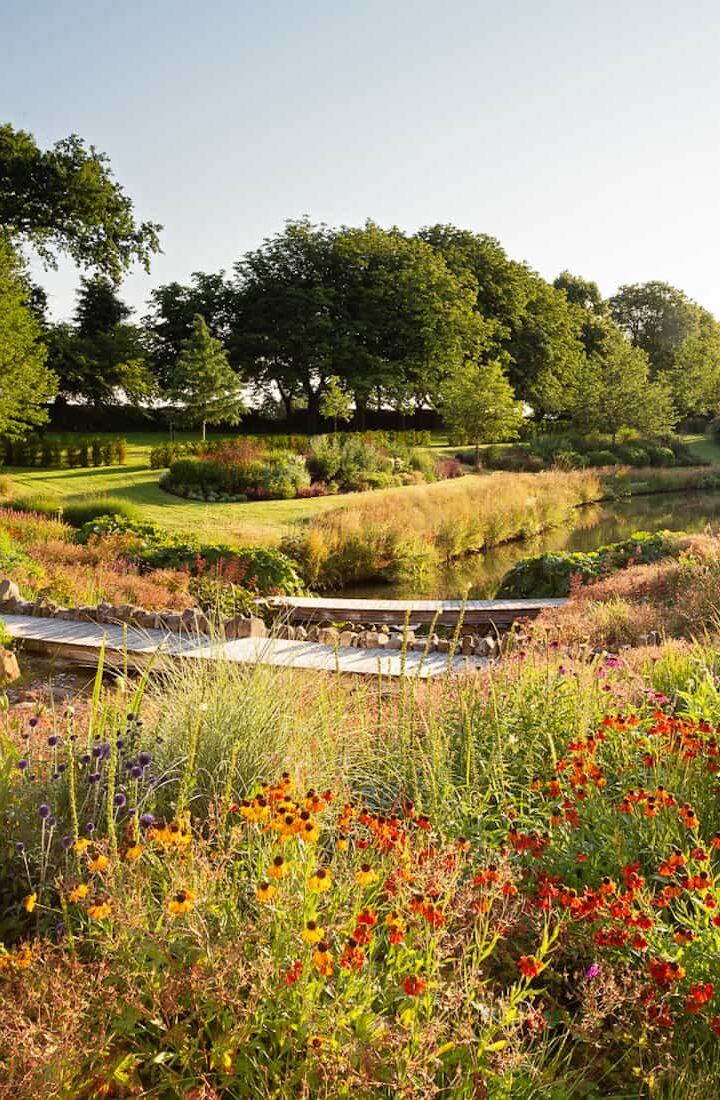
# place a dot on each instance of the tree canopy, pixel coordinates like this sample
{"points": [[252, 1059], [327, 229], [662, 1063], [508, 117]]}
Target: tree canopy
{"points": [[65, 200], [100, 358], [26, 384]]}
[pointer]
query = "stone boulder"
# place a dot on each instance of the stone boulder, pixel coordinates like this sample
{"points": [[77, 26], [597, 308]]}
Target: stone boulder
{"points": [[245, 627], [9, 592], [9, 667]]}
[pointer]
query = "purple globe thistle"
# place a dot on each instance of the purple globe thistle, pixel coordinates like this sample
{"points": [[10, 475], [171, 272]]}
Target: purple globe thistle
{"points": [[44, 811], [94, 777], [97, 751], [52, 822], [53, 740], [61, 768], [85, 758], [144, 758], [136, 772], [146, 820], [33, 722], [23, 765], [20, 847], [67, 842], [120, 800], [89, 826]]}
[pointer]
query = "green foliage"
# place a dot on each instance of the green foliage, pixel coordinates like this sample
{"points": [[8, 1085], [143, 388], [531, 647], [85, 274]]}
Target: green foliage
{"points": [[335, 403], [265, 570], [80, 512], [100, 358], [26, 383], [552, 574], [241, 469], [478, 405], [204, 388], [65, 199], [57, 452]]}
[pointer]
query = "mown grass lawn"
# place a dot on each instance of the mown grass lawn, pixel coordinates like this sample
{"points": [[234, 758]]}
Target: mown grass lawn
{"points": [[254, 522]]}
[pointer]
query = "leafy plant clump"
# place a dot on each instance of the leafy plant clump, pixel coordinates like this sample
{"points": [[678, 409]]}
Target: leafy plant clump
{"points": [[263, 570], [244, 469], [553, 574]]}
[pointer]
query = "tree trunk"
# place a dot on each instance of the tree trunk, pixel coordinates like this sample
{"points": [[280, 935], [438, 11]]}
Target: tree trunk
{"points": [[203, 431], [477, 454]]}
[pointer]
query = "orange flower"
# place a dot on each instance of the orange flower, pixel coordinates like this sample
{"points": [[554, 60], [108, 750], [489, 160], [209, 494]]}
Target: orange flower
{"points": [[320, 880], [530, 966], [133, 852], [414, 986], [181, 902], [265, 891], [100, 909], [30, 902], [98, 863], [278, 868], [323, 959], [315, 1042], [366, 875], [80, 892]]}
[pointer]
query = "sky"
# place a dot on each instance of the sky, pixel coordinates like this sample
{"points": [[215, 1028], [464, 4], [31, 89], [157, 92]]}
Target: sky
{"points": [[583, 136]]}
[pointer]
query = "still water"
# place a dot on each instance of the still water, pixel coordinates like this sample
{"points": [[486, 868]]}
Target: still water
{"points": [[478, 576]]}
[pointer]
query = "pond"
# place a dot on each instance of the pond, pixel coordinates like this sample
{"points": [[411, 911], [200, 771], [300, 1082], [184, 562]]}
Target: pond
{"points": [[478, 576]]}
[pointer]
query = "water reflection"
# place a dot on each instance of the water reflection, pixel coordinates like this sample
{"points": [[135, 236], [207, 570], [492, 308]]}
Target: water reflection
{"points": [[478, 576]]}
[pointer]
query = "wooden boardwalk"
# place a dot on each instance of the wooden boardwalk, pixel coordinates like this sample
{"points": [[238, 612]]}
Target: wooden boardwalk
{"points": [[487, 613], [81, 642]]}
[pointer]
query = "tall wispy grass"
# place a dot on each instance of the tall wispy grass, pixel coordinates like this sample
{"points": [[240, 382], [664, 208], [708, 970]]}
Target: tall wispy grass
{"points": [[422, 525]]}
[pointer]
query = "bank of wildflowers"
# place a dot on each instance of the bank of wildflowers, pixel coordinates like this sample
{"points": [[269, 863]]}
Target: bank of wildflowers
{"points": [[490, 887]]}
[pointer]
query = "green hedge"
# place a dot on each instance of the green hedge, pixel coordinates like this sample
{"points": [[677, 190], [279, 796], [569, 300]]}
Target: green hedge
{"points": [[551, 575], [56, 452]]}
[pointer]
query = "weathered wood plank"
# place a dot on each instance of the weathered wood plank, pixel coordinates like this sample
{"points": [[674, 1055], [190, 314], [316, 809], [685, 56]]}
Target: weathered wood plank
{"points": [[394, 612], [81, 642]]}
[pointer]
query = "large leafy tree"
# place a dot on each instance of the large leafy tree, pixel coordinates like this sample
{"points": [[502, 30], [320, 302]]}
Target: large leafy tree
{"points": [[655, 317], [65, 200], [536, 333], [589, 306], [172, 313], [378, 310], [679, 337], [204, 388], [478, 405], [286, 330], [613, 390], [100, 357], [26, 384], [407, 320]]}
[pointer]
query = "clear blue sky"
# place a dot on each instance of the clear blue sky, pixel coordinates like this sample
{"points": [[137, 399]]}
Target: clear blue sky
{"points": [[583, 136]]}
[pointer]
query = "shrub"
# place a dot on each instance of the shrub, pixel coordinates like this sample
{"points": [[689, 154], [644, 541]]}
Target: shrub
{"points": [[551, 574], [633, 454], [602, 458], [54, 452], [84, 510], [40, 503], [282, 478]]}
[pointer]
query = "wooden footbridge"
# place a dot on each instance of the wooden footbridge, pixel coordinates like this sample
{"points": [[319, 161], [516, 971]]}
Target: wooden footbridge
{"points": [[82, 642], [474, 613]]}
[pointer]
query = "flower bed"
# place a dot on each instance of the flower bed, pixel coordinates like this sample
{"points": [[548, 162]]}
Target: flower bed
{"points": [[509, 912], [241, 470]]}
